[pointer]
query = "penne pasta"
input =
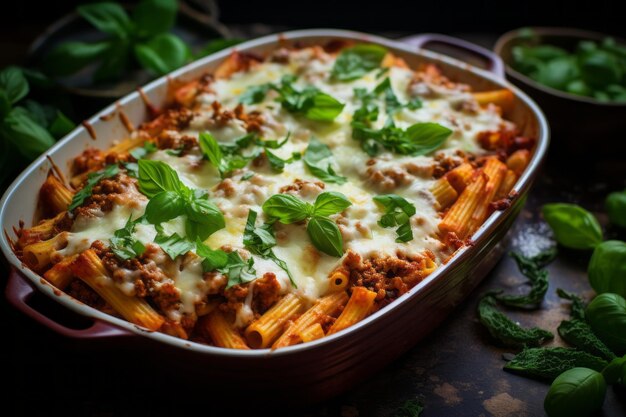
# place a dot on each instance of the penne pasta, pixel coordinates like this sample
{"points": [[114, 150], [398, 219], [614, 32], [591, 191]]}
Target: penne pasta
{"points": [[127, 144], [495, 172], [338, 280], [60, 275], [325, 306], [460, 176], [457, 219], [507, 184], [42, 231], [501, 98], [358, 307], [444, 193], [89, 268], [518, 161], [312, 332], [39, 255], [221, 332], [263, 332], [55, 196]]}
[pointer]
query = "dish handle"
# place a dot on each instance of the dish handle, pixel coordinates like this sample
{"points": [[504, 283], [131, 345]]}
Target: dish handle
{"points": [[493, 62], [19, 291]]}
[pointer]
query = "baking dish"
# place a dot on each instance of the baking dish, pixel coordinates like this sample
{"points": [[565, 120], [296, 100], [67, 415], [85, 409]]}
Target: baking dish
{"points": [[317, 369]]}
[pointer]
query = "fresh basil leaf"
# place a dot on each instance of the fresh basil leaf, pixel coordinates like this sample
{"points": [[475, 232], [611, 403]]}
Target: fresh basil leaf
{"points": [[426, 137], [123, 244], [324, 108], [164, 206], [330, 202], [69, 57], [616, 208], [107, 17], [162, 54], [578, 305], [132, 169], [152, 17], [534, 269], [392, 104], [60, 125], [226, 158], [273, 144], [238, 271], [5, 103], [143, 151], [173, 245], [325, 236], [573, 226], [287, 208], [114, 61], [40, 113], [318, 155], [92, 179], [398, 212], [157, 176], [247, 176], [29, 138], [203, 218], [260, 241], [213, 258], [255, 94], [211, 149], [14, 84], [217, 45], [276, 163], [505, 330], [355, 62]]}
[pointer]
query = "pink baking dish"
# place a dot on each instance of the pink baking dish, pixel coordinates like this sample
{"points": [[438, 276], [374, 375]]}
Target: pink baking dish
{"points": [[315, 370]]}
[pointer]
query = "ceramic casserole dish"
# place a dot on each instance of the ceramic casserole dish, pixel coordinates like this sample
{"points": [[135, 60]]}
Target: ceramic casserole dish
{"points": [[314, 370]]}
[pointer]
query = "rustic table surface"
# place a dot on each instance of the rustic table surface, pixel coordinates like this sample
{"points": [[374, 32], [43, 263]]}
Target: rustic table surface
{"points": [[456, 371]]}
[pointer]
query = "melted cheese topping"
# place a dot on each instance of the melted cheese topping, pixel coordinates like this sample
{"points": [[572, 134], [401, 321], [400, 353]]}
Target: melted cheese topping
{"points": [[235, 197]]}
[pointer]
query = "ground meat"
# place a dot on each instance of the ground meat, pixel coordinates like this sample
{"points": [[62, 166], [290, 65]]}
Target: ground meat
{"points": [[252, 121], [90, 160], [83, 292], [389, 277], [171, 119], [266, 293], [171, 139], [429, 82], [108, 192], [387, 179], [303, 188], [445, 163]]}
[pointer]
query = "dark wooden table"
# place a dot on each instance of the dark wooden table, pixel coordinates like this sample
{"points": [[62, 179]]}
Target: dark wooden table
{"points": [[456, 371]]}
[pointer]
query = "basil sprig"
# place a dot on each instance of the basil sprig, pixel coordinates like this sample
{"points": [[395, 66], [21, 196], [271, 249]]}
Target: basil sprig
{"points": [[323, 232], [170, 198], [92, 179], [174, 245], [123, 244], [309, 101], [573, 226], [398, 212], [260, 240], [317, 155], [144, 36], [355, 62], [230, 264]]}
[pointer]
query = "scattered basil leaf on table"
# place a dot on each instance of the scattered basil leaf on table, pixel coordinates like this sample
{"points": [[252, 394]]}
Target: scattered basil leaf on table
{"points": [[507, 331], [573, 226], [154, 17], [579, 334], [318, 160], [607, 316], [410, 408], [615, 372], [616, 208], [576, 392], [578, 305], [28, 137], [398, 212], [107, 17], [533, 269], [355, 62], [14, 84], [607, 268], [163, 53], [548, 363]]}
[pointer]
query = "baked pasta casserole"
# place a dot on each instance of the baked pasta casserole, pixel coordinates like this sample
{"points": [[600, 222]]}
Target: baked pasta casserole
{"points": [[280, 199]]}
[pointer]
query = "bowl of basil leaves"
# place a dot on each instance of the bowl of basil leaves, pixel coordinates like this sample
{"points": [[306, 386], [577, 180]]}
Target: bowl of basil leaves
{"points": [[579, 80]]}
